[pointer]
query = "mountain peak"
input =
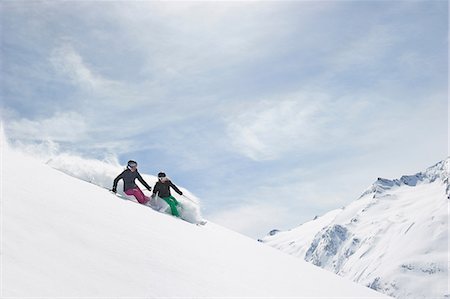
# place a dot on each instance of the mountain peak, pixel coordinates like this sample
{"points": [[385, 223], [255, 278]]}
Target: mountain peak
{"points": [[439, 171]]}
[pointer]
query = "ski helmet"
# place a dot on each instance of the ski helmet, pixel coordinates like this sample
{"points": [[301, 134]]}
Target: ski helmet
{"points": [[131, 164]]}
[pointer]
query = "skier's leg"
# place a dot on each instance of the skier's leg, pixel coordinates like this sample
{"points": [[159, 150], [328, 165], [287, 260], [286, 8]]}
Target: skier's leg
{"points": [[172, 202], [175, 201], [173, 206], [141, 196], [138, 194]]}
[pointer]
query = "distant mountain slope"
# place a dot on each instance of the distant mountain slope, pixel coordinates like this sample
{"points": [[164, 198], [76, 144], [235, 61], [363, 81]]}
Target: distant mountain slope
{"points": [[394, 238], [65, 237]]}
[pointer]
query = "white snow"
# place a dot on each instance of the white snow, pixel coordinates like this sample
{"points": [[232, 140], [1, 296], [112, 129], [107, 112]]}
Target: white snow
{"points": [[298, 240], [102, 173], [66, 237], [393, 239]]}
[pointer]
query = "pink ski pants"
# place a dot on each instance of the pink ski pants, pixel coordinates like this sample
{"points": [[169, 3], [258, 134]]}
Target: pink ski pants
{"points": [[136, 192]]}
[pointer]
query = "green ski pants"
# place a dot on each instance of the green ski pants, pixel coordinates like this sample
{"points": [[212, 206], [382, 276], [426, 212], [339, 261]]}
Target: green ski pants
{"points": [[173, 203]]}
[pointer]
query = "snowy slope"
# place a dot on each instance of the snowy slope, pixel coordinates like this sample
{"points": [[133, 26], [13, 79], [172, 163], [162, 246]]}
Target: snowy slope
{"points": [[394, 238], [65, 237], [102, 173]]}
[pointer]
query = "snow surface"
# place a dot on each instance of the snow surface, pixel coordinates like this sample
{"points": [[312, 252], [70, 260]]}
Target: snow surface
{"points": [[65, 237], [394, 238], [102, 173]]}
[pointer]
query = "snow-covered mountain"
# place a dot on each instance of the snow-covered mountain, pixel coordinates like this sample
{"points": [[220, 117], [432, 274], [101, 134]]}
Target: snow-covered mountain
{"points": [[394, 238], [66, 237]]}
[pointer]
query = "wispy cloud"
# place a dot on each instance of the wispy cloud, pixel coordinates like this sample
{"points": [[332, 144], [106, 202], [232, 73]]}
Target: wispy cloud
{"points": [[62, 127], [69, 63], [365, 51], [267, 129]]}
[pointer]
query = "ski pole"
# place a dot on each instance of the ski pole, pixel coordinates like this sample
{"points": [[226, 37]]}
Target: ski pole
{"points": [[190, 199]]}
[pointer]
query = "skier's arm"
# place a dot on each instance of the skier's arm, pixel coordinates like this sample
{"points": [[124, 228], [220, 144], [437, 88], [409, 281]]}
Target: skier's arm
{"points": [[175, 188], [143, 182], [116, 180], [155, 189]]}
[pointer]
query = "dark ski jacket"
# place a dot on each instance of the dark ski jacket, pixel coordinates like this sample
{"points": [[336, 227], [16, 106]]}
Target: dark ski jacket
{"points": [[163, 189], [128, 177]]}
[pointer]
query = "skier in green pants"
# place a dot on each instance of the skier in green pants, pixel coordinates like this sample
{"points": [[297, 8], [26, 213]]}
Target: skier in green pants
{"points": [[162, 189]]}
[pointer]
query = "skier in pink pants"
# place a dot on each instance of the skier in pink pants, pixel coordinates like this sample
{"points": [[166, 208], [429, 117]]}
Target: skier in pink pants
{"points": [[129, 176], [136, 192]]}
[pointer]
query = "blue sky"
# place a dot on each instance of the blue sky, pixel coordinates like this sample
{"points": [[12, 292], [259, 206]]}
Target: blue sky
{"points": [[271, 112]]}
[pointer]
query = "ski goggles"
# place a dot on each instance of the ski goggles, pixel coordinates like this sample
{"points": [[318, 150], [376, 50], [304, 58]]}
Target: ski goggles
{"points": [[132, 165]]}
